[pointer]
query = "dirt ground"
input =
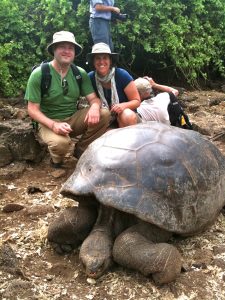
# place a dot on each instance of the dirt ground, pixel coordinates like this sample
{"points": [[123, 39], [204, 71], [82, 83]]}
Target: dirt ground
{"points": [[29, 268]]}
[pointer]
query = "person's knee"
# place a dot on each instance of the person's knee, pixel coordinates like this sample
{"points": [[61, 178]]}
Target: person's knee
{"points": [[133, 119], [104, 115], [60, 145], [127, 117]]}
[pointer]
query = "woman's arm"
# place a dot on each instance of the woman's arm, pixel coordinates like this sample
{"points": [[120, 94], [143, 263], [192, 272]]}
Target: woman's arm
{"points": [[132, 96], [133, 99]]}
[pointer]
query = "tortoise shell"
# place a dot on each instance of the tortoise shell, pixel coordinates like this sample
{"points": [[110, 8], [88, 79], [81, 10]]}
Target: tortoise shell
{"points": [[171, 177]]}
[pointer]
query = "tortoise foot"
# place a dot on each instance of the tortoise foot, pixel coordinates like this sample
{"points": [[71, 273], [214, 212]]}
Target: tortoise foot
{"points": [[162, 260], [62, 249], [96, 250], [72, 226], [96, 253]]}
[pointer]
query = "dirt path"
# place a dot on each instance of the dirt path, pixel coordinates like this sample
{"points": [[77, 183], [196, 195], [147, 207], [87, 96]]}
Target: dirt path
{"points": [[29, 269]]}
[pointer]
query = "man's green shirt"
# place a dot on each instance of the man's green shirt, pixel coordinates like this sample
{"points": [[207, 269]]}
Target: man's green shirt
{"points": [[55, 105]]}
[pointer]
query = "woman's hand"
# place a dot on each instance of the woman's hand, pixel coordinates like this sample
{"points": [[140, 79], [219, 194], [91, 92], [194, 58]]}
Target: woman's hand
{"points": [[118, 108]]}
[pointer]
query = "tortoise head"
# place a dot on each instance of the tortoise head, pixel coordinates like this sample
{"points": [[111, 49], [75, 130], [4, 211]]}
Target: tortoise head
{"points": [[103, 165]]}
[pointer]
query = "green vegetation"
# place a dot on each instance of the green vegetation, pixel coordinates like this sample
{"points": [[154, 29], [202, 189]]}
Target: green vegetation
{"points": [[184, 37]]}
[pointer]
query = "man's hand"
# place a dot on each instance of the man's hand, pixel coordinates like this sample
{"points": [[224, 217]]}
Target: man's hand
{"points": [[116, 10], [93, 115], [61, 128], [151, 81]]}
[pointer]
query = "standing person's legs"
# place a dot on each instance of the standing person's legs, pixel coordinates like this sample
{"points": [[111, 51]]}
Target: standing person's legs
{"points": [[58, 145], [101, 31], [89, 133]]}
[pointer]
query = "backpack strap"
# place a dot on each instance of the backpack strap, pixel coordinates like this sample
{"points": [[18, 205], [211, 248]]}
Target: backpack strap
{"points": [[77, 75], [46, 78]]}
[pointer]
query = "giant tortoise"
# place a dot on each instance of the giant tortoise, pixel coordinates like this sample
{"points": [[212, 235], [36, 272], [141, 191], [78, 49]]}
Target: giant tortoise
{"points": [[151, 180]]}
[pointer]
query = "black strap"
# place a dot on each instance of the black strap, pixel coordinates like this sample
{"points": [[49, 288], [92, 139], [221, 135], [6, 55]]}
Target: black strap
{"points": [[47, 77], [77, 75]]}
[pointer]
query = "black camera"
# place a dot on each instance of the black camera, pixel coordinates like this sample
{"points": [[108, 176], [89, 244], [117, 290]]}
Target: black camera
{"points": [[120, 17]]}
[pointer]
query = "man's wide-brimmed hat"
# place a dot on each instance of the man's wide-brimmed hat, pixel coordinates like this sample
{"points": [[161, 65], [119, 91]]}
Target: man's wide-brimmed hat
{"points": [[64, 36], [101, 48]]}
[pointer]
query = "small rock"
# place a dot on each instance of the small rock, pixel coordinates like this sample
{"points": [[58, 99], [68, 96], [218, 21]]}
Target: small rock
{"points": [[11, 207], [58, 173], [199, 265], [21, 288], [21, 114], [5, 113], [38, 210], [5, 156], [8, 259], [213, 102], [12, 171], [219, 262], [33, 190], [49, 277], [219, 249], [201, 129], [188, 98], [91, 281], [202, 258], [201, 114]]}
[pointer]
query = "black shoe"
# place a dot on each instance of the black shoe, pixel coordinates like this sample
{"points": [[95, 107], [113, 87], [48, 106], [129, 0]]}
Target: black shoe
{"points": [[77, 153], [54, 165]]}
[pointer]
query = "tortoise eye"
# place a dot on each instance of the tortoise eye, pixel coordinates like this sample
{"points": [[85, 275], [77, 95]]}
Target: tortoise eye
{"points": [[89, 169]]}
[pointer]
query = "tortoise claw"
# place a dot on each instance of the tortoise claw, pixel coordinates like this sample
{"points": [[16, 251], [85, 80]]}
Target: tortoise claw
{"points": [[62, 249]]}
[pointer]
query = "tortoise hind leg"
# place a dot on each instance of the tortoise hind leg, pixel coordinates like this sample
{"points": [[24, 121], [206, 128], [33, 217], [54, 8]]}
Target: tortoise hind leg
{"points": [[71, 227], [133, 250]]}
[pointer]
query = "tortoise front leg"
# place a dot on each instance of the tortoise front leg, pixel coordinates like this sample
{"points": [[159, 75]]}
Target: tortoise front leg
{"points": [[134, 251], [96, 250], [72, 226]]}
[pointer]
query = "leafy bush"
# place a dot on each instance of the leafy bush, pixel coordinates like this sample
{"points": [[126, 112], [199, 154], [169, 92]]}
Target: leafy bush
{"points": [[185, 36], [178, 36]]}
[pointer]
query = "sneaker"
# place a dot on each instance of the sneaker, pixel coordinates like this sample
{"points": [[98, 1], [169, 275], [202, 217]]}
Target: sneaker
{"points": [[77, 153], [54, 165]]}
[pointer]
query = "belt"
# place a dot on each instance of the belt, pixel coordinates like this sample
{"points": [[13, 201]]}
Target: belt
{"points": [[100, 18]]}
